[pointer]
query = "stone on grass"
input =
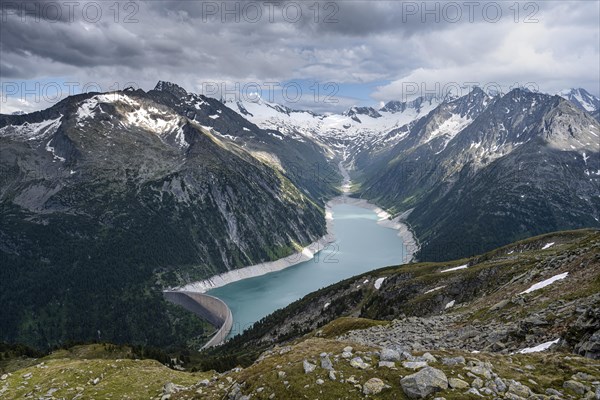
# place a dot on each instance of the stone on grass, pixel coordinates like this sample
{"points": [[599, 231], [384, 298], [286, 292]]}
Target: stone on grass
{"points": [[414, 364], [326, 362], [387, 364], [357, 362], [477, 383], [429, 357], [373, 386], [474, 392], [453, 360], [575, 386], [332, 375], [456, 383], [423, 383], [519, 389], [308, 367]]}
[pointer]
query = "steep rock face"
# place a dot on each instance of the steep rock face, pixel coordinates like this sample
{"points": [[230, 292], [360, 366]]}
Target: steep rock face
{"points": [[104, 192], [355, 112], [419, 103], [303, 162], [524, 164]]}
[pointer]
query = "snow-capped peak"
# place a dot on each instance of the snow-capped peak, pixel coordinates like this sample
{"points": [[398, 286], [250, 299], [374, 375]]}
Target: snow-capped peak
{"points": [[356, 111], [357, 122], [581, 98]]}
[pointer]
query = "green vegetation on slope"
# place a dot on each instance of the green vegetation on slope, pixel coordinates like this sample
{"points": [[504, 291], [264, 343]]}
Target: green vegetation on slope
{"points": [[421, 289]]}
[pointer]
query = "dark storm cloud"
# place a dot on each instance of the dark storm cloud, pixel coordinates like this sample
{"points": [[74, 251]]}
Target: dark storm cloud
{"points": [[66, 44], [192, 42]]}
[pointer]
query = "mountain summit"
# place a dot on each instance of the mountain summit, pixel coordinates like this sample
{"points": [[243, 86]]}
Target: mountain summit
{"points": [[174, 89], [581, 98]]}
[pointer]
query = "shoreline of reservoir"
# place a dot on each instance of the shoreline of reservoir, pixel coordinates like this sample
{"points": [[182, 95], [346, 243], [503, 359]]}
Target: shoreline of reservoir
{"points": [[196, 290], [225, 278], [308, 252]]}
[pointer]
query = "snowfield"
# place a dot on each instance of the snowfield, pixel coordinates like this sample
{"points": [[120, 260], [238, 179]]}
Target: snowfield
{"points": [[539, 347], [547, 246], [465, 266], [378, 283], [545, 283]]}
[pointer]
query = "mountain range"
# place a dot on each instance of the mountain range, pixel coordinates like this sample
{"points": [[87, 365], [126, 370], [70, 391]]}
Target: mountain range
{"points": [[107, 198], [486, 169]]}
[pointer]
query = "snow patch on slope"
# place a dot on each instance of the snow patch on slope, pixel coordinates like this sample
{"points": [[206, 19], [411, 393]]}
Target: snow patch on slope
{"points": [[51, 150], [545, 283], [455, 268], [449, 129], [378, 283], [32, 131], [539, 347]]}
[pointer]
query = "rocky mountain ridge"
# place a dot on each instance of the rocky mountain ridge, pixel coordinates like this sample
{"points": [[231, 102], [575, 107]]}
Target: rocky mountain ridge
{"points": [[133, 189], [582, 99]]}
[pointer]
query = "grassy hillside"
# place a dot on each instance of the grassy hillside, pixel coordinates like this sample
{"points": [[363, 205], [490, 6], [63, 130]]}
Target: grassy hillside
{"points": [[423, 290]]}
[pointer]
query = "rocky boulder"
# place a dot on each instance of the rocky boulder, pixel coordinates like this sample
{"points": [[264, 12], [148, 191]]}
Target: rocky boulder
{"points": [[423, 383], [389, 355]]}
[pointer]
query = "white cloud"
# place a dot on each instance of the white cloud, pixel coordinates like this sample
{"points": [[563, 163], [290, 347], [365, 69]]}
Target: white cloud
{"points": [[541, 55]]}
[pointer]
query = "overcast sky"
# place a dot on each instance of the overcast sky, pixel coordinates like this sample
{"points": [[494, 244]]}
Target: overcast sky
{"points": [[338, 54]]}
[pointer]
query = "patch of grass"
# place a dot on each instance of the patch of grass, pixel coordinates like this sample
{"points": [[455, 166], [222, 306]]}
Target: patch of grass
{"points": [[345, 324], [120, 378], [92, 351]]}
